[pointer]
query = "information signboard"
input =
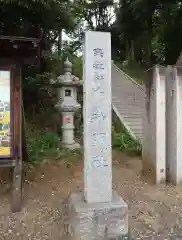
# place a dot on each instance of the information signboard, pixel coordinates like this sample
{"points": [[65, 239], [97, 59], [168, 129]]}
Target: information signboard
{"points": [[5, 114]]}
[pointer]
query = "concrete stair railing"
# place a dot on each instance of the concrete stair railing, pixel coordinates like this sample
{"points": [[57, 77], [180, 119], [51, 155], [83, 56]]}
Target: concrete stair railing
{"points": [[128, 99]]}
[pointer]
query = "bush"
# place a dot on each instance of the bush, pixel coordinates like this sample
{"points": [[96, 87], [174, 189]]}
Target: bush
{"points": [[41, 145], [124, 142], [122, 139]]}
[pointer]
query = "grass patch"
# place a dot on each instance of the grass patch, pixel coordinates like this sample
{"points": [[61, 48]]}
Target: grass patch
{"points": [[125, 143], [45, 145], [122, 139], [41, 144]]}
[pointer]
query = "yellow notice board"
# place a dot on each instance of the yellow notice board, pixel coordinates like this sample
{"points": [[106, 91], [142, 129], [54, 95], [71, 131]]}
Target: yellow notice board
{"points": [[5, 143]]}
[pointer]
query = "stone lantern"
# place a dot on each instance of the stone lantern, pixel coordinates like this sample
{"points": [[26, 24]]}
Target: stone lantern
{"points": [[67, 105]]}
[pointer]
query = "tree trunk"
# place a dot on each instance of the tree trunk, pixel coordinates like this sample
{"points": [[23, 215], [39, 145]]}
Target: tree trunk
{"points": [[60, 43], [127, 50], [148, 78], [132, 50]]}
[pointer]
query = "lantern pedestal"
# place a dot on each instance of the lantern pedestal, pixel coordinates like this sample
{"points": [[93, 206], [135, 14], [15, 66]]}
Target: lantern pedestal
{"points": [[68, 131], [67, 104]]}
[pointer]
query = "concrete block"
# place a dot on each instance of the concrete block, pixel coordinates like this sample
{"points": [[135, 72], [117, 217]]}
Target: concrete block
{"points": [[174, 124], [107, 220], [154, 144]]}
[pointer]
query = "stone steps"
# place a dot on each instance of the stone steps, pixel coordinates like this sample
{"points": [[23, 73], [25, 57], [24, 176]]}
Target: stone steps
{"points": [[128, 102]]}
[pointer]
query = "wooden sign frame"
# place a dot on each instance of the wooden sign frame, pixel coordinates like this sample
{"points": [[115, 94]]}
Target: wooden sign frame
{"points": [[14, 160], [5, 114]]}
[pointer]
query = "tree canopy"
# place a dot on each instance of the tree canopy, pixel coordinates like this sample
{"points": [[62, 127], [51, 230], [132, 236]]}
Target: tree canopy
{"points": [[150, 30], [30, 18], [146, 31]]}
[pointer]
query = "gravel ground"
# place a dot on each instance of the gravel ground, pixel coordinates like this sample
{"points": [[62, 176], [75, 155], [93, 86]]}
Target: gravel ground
{"points": [[155, 211]]}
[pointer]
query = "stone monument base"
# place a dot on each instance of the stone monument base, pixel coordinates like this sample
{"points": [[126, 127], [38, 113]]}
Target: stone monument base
{"points": [[98, 221]]}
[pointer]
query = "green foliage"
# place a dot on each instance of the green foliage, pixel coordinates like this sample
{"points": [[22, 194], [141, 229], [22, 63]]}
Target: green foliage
{"points": [[42, 19], [36, 93], [122, 140], [69, 157], [55, 64], [41, 145], [44, 140], [153, 33], [38, 85], [96, 14], [50, 15], [45, 145], [133, 69]]}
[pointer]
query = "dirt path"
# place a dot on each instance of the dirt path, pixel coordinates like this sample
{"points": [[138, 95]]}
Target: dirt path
{"points": [[152, 209]]}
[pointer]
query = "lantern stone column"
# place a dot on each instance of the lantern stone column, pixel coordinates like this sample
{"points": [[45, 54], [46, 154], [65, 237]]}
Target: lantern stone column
{"points": [[67, 105]]}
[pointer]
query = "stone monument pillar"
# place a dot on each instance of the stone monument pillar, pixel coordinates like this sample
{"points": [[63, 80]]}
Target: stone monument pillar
{"points": [[154, 150], [99, 212], [67, 104], [174, 124]]}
